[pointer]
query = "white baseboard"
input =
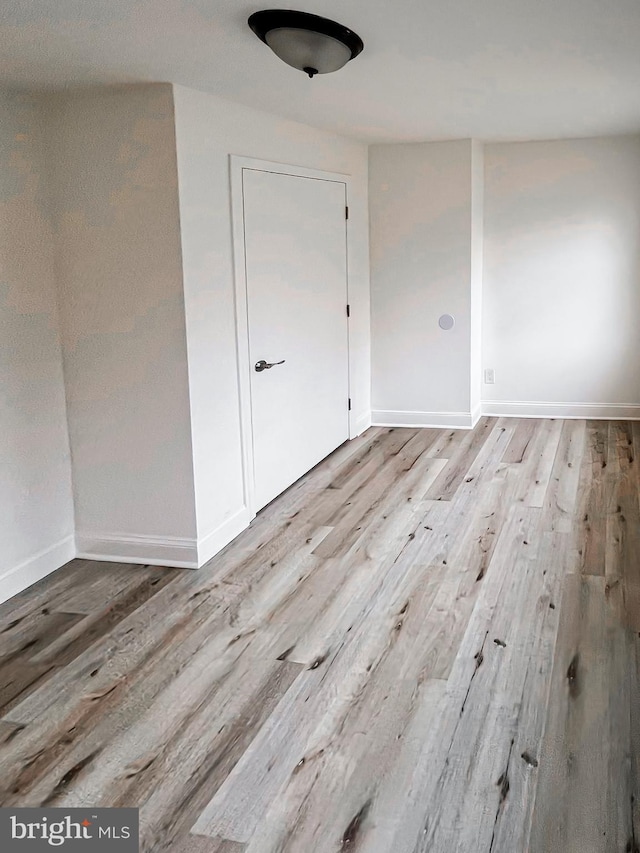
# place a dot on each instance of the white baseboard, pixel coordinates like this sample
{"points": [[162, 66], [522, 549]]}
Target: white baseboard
{"points": [[580, 411], [170, 551], [438, 420], [37, 567], [476, 414], [360, 424], [212, 543]]}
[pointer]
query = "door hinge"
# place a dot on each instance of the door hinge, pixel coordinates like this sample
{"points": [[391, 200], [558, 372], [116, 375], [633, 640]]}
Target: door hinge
{"points": [[348, 310], [346, 212], [349, 403]]}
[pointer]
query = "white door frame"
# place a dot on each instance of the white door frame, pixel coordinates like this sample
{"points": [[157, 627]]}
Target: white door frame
{"points": [[236, 166]]}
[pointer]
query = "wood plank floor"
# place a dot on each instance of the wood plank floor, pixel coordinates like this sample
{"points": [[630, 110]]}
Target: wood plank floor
{"points": [[429, 643]]}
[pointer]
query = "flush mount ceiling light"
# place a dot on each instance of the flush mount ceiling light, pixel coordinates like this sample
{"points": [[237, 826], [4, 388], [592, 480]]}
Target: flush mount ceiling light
{"points": [[307, 42]]}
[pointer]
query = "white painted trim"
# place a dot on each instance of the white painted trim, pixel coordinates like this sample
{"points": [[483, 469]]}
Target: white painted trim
{"points": [[438, 420], [361, 423], [216, 540], [173, 551], [242, 328], [580, 411], [476, 414], [236, 166], [36, 567], [287, 169]]}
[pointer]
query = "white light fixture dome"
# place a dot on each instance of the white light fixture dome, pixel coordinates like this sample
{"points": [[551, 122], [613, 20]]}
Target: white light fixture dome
{"points": [[307, 42]]}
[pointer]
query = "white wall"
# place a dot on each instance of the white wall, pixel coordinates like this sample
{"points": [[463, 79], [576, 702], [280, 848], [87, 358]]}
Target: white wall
{"points": [[36, 507], [118, 264], [562, 277], [477, 253], [208, 130], [421, 197]]}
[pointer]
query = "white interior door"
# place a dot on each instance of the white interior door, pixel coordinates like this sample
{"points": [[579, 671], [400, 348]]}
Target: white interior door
{"points": [[296, 275]]}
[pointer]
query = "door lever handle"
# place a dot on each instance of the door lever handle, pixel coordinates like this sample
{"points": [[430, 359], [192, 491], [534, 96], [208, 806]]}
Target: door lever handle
{"points": [[264, 365]]}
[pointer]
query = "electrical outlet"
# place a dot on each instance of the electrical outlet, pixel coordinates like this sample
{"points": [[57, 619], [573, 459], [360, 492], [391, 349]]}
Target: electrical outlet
{"points": [[489, 376]]}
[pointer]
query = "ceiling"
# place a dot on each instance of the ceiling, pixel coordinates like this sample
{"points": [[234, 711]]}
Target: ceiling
{"points": [[490, 69]]}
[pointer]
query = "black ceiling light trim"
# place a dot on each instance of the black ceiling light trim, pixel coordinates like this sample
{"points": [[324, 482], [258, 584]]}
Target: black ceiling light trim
{"points": [[266, 22]]}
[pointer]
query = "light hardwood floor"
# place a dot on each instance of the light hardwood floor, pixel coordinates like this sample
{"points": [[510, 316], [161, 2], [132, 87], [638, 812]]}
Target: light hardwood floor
{"points": [[429, 643]]}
